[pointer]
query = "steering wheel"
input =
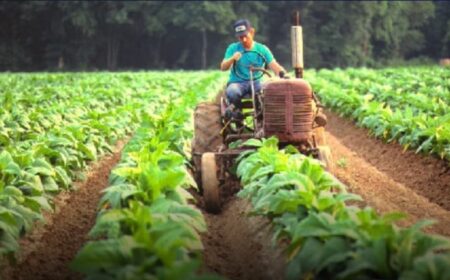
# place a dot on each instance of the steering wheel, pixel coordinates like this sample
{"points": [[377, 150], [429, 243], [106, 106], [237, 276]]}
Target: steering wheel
{"points": [[257, 65]]}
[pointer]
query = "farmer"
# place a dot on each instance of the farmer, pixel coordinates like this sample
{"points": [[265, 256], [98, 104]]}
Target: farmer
{"points": [[247, 52]]}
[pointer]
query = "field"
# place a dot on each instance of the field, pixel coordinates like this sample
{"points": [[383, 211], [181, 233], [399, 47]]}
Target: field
{"points": [[95, 181]]}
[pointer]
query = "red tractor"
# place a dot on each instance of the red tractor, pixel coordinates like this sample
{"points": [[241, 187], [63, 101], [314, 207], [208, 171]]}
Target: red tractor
{"points": [[285, 108]]}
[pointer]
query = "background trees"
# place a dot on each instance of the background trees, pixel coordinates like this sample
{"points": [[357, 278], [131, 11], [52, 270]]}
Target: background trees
{"points": [[193, 35]]}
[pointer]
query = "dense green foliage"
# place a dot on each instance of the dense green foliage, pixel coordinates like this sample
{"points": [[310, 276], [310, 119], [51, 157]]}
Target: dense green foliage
{"points": [[38, 35], [326, 238], [150, 231], [52, 125], [407, 105]]}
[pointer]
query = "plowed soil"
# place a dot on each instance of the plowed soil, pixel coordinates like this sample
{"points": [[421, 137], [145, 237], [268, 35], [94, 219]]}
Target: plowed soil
{"points": [[426, 175], [238, 246], [389, 179]]}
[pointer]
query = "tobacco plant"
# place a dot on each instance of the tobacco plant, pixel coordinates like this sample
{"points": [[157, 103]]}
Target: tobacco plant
{"points": [[149, 229], [327, 237], [407, 105], [53, 125]]}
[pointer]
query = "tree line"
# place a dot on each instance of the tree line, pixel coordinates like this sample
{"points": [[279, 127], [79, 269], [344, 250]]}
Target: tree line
{"points": [[99, 35]]}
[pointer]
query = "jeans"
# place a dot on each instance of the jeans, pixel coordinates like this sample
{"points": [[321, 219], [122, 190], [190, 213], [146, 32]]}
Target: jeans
{"points": [[236, 91]]}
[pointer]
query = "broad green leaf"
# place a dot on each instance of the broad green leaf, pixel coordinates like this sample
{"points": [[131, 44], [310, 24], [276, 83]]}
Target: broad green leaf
{"points": [[42, 167], [89, 150], [104, 254]]}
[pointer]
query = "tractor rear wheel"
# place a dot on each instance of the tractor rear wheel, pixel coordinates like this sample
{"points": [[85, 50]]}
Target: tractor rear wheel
{"points": [[207, 126], [207, 138], [210, 183], [326, 158]]}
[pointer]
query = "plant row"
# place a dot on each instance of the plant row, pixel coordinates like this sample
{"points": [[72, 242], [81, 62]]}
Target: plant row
{"points": [[47, 144], [146, 229], [325, 235], [410, 106], [423, 89]]}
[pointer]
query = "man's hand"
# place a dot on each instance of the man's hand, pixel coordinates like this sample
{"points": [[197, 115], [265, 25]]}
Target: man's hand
{"points": [[283, 75], [236, 56], [277, 69], [226, 64]]}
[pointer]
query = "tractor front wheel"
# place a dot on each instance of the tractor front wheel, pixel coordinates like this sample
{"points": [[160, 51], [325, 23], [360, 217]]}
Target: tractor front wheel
{"points": [[210, 183]]}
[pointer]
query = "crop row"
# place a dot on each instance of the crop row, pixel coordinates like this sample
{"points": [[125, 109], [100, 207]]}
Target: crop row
{"points": [[325, 238], [53, 125], [147, 228], [410, 106]]}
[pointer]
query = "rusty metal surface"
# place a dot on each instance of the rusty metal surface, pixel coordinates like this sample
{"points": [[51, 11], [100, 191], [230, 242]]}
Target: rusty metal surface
{"points": [[288, 110]]}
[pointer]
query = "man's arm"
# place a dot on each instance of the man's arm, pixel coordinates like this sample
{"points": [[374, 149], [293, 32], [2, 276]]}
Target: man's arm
{"points": [[276, 67], [226, 63]]}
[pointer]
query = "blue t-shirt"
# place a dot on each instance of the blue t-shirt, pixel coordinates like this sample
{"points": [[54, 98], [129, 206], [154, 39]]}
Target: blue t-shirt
{"points": [[256, 57]]}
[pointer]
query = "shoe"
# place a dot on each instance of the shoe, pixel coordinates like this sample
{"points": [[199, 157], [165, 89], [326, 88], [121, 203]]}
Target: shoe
{"points": [[237, 115]]}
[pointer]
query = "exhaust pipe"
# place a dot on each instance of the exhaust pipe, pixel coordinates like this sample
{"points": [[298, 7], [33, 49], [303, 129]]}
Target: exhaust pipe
{"points": [[297, 45]]}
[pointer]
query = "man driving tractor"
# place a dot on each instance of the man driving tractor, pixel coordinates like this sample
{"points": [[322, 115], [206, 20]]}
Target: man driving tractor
{"points": [[286, 109], [241, 55]]}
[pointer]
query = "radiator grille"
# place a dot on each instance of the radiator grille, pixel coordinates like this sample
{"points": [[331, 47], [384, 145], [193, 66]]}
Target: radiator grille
{"points": [[288, 110]]}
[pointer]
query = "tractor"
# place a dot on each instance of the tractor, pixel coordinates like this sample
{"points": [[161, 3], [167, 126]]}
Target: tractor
{"points": [[285, 107]]}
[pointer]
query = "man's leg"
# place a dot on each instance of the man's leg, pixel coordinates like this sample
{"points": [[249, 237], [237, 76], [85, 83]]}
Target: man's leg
{"points": [[247, 89], [234, 93]]}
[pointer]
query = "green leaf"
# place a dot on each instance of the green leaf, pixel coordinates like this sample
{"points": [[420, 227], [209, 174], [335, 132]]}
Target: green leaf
{"points": [[7, 164], [319, 225], [88, 149], [253, 143], [307, 261], [432, 266], [335, 253], [50, 184], [62, 177], [97, 256], [12, 191], [42, 167], [5, 140], [40, 202]]}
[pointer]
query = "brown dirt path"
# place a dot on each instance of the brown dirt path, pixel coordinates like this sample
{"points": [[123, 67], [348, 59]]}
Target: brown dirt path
{"points": [[424, 174], [240, 247], [388, 179], [47, 251]]}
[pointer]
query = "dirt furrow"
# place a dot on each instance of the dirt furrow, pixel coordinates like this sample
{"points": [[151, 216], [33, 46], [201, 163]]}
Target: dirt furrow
{"points": [[240, 247], [426, 175], [387, 180], [47, 251]]}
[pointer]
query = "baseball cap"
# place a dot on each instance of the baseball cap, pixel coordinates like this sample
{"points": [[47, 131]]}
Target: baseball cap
{"points": [[241, 27]]}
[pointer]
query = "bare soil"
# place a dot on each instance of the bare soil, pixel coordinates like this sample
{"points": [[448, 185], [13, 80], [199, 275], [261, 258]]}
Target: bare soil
{"points": [[47, 251], [389, 179], [239, 246], [426, 175]]}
